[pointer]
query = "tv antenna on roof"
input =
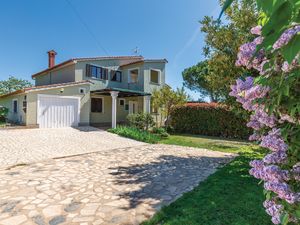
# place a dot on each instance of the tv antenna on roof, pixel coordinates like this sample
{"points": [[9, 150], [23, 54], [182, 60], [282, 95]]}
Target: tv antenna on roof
{"points": [[136, 51]]}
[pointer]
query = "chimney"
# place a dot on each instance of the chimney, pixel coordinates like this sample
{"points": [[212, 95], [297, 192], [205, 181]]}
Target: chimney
{"points": [[51, 58]]}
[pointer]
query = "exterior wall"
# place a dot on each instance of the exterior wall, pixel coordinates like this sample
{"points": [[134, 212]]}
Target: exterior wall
{"points": [[105, 116], [62, 75], [148, 86], [32, 98], [20, 116], [143, 84]]}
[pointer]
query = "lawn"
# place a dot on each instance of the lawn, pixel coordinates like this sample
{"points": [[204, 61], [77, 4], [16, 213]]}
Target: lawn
{"points": [[2, 124], [228, 197], [212, 143]]}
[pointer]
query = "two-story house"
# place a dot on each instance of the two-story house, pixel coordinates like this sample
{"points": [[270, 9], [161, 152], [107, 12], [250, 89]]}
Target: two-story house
{"points": [[87, 91]]}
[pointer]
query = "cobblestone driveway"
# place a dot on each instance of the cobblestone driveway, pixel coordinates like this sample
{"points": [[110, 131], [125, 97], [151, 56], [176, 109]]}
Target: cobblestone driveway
{"points": [[120, 186], [32, 145]]}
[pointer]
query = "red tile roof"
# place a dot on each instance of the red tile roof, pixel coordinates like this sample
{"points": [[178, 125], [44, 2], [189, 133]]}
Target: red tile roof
{"points": [[202, 104], [73, 60]]}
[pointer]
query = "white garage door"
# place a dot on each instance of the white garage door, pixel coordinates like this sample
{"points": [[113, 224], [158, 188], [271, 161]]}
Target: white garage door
{"points": [[58, 111]]}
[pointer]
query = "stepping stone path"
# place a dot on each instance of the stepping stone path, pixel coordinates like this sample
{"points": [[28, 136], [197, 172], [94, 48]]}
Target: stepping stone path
{"points": [[121, 186]]}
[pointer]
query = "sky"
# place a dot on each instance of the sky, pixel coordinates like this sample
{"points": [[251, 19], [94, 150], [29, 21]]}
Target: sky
{"points": [[85, 28]]}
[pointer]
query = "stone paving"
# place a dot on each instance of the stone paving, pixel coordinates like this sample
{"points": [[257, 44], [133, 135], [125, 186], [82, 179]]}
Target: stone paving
{"points": [[32, 145], [121, 186]]}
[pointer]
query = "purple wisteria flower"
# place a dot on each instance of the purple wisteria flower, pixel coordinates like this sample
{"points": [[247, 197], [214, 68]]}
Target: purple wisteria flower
{"points": [[273, 210], [275, 157], [260, 119], [246, 92], [246, 54], [256, 30], [254, 137], [286, 37], [296, 171], [283, 191], [274, 141], [270, 173], [285, 117]]}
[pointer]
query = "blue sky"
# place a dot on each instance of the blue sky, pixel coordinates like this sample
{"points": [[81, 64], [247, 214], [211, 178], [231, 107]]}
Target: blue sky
{"points": [[159, 28]]}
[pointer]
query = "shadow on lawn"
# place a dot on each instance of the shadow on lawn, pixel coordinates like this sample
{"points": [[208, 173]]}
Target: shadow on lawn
{"points": [[165, 179], [229, 196]]}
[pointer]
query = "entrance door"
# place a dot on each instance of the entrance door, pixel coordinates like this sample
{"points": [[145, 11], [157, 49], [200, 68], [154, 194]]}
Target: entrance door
{"points": [[133, 107]]}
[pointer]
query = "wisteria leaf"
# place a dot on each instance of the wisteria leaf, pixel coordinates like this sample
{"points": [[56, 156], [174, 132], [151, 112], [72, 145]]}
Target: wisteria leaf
{"points": [[290, 51]]}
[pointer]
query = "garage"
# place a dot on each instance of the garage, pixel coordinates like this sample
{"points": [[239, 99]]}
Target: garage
{"points": [[58, 111]]}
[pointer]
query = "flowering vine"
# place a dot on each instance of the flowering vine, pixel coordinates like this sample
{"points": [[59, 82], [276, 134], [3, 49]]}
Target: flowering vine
{"points": [[275, 121]]}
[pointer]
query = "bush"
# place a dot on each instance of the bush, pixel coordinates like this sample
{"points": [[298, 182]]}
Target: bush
{"points": [[136, 134], [209, 119], [160, 131], [142, 121], [3, 113]]}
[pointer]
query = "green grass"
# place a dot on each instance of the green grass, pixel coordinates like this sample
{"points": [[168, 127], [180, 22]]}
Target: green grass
{"points": [[212, 143], [2, 124], [228, 197], [136, 134]]}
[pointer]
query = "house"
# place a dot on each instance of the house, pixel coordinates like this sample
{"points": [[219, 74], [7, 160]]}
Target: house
{"points": [[87, 91]]}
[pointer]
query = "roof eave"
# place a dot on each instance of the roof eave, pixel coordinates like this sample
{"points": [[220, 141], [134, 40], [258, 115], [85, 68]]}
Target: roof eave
{"points": [[65, 63]]}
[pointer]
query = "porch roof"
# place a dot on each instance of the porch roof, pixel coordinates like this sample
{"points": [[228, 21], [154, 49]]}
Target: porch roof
{"points": [[122, 92]]}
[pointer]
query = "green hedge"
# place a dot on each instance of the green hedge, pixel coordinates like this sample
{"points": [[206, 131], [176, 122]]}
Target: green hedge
{"points": [[209, 119]]}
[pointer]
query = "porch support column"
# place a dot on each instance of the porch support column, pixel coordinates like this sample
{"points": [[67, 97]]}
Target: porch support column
{"points": [[147, 103], [114, 95]]}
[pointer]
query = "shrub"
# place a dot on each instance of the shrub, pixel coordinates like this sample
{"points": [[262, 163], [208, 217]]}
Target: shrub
{"points": [[209, 119], [142, 121], [136, 134], [160, 131], [3, 113]]}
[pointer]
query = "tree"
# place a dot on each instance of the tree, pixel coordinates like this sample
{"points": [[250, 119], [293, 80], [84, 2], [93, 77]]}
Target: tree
{"points": [[166, 99], [222, 42], [13, 84], [197, 78]]}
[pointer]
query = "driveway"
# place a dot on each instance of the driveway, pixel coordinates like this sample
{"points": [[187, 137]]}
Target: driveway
{"points": [[31, 145], [111, 186]]}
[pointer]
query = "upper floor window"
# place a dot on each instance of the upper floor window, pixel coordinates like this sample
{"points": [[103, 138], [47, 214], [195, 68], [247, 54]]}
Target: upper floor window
{"points": [[133, 75], [154, 76], [116, 75], [96, 72]]}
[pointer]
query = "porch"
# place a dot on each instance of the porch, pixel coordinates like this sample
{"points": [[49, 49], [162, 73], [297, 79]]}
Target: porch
{"points": [[111, 106]]}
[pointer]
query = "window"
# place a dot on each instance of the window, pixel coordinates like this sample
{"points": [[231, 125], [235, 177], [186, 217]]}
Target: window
{"points": [[116, 75], [122, 102], [154, 76], [97, 105], [15, 106], [96, 72], [24, 106], [133, 76]]}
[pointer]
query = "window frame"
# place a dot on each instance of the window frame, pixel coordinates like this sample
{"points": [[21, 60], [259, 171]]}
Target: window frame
{"points": [[122, 99], [159, 76], [102, 74], [102, 104], [13, 106], [129, 75], [115, 73]]}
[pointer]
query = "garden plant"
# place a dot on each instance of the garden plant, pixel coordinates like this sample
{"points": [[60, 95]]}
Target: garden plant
{"points": [[273, 99]]}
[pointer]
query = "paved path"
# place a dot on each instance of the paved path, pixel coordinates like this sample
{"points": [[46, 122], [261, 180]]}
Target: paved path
{"points": [[32, 145], [122, 186]]}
